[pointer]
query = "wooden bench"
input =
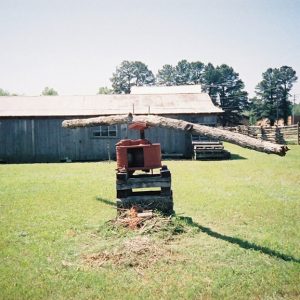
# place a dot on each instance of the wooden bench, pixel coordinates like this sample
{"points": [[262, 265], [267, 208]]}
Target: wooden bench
{"points": [[209, 150]]}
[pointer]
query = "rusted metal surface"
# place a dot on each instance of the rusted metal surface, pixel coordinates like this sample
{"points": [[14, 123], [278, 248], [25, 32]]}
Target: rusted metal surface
{"points": [[138, 155]]}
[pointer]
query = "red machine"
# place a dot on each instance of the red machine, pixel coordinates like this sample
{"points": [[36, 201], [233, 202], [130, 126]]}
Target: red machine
{"points": [[141, 154], [138, 154]]}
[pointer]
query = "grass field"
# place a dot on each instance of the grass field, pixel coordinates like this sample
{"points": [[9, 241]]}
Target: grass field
{"points": [[244, 241]]}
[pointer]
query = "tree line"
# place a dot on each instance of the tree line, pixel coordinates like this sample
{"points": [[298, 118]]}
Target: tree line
{"points": [[222, 83], [46, 92]]}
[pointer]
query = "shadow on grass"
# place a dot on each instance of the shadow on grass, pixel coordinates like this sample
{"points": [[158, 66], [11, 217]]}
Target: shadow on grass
{"points": [[106, 201], [233, 240], [236, 157], [242, 243]]}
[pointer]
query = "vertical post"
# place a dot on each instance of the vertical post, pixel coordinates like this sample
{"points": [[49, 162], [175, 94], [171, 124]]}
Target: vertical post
{"points": [[32, 140], [276, 111], [293, 115], [277, 135], [298, 133]]}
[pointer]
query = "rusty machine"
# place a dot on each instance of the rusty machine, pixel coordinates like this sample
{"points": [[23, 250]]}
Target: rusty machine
{"points": [[138, 183]]}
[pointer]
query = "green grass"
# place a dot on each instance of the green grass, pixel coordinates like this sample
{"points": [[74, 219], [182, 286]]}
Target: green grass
{"points": [[246, 242]]}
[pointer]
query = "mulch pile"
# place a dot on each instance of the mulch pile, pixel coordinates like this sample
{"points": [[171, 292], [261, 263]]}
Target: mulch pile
{"points": [[140, 251], [146, 221]]}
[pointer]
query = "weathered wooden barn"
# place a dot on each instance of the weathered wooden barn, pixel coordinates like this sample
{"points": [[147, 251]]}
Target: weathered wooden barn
{"points": [[30, 127]]}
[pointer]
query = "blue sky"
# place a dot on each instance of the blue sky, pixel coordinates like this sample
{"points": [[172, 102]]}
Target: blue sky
{"points": [[75, 46]]}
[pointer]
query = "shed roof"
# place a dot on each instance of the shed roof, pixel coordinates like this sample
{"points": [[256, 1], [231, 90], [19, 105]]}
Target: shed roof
{"points": [[174, 89], [23, 106]]}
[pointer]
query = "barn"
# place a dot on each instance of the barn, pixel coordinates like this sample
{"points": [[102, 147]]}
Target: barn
{"points": [[30, 127]]}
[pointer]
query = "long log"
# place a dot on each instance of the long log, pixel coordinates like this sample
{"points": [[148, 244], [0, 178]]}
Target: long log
{"points": [[157, 121]]}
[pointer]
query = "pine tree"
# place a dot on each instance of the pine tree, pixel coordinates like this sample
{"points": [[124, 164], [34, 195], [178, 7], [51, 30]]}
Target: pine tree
{"points": [[273, 92], [166, 76], [131, 73]]}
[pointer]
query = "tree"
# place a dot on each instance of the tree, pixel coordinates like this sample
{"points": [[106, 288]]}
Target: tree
{"points": [[182, 72], [227, 91], [131, 73], [49, 92], [287, 77], [273, 92], [104, 90], [266, 92], [3, 92], [254, 110], [166, 75], [210, 80], [196, 72]]}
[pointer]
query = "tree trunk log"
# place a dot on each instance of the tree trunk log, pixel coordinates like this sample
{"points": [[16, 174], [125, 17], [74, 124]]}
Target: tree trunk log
{"points": [[157, 121]]}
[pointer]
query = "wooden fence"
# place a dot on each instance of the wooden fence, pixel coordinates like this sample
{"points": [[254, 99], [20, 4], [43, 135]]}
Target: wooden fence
{"points": [[276, 134]]}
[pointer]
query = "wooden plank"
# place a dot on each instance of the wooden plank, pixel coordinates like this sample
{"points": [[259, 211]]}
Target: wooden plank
{"points": [[147, 179], [209, 151], [208, 147], [136, 185], [206, 143], [212, 155], [146, 198], [172, 155]]}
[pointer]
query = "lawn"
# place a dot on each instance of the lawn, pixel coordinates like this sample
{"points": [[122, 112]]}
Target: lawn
{"points": [[243, 243]]}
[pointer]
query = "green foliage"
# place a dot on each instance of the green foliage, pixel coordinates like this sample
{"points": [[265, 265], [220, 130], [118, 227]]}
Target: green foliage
{"points": [[49, 92], [196, 72], [210, 81], [3, 92], [222, 83], [104, 90], [184, 73], [166, 76], [245, 244], [226, 89], [131, 73], [273, 92], [255, 110]]}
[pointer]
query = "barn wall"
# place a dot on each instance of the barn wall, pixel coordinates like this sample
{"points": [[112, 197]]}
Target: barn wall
{"points": [[44, 140]]}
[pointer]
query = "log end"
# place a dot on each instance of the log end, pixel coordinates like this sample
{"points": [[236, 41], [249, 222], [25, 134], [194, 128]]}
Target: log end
{"points": [[284, 149], [65, 124]]}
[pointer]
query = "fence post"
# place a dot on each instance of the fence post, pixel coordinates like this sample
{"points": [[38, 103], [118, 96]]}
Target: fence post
{"points": [[261, 133], [277, 134], [298, 133]]}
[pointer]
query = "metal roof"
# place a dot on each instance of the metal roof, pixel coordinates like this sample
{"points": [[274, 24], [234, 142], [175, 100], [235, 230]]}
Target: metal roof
{"points": [[22, 106], [174, 89]]}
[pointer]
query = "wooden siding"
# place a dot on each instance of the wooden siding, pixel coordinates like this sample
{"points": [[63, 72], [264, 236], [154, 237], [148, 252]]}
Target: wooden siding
{"points": [[44, 140]]}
